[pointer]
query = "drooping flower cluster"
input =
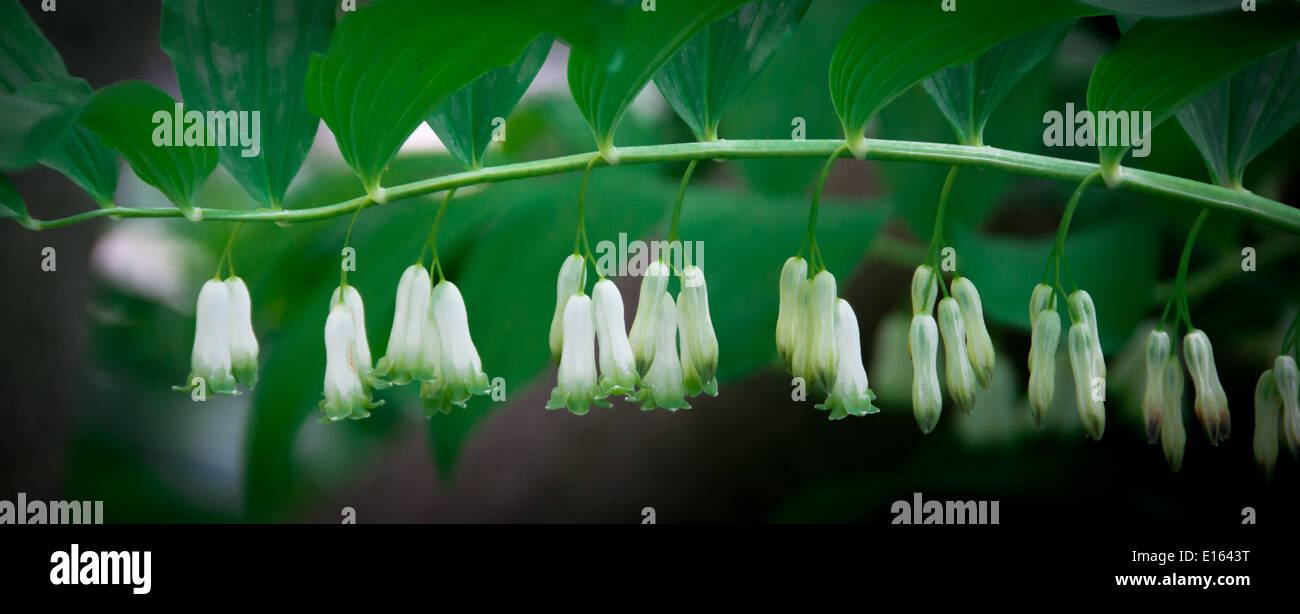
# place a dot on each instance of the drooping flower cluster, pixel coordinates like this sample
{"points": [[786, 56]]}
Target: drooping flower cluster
{"points": [[346, 394], [818, 340], [1277, 412], [968, 351], [225, 347], [1087, 364], [645, 365], [1162, 400]]}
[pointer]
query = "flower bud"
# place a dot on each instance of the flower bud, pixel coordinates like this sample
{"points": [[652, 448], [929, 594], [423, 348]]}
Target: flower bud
{"points": [[618, 373], [925, 289], [662, 385], [345, 397], [1153, 404], [568, 283], [1268, 409], [793, 275], [402, 361], [1089, 383], [576, 386], [1173, 437], [961, 379], [460, 370], [1211, 402], [1039, 300], [850, 394], [1288, 383], [815, 356], [1042, 363], [979, 347], [1083, 311], [654, 283], [243, 342], [699, 355], [923, 345], [210, 359]]}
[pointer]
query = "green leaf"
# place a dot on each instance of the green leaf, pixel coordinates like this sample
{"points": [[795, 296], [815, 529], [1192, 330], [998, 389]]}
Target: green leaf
{"points": [[466, 121], [35, 119], [1166, 8], [251, 56], [1159, 65], [969, 93], [894, 44], [140, 121], [605, 78], [25, 56], [1238, 119], [11, 203], [714, 68]]}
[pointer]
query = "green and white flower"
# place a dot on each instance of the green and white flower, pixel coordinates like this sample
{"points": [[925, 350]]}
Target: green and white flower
{"points": [[979, 347], [618, 373], [460, 372], [1288, 388], [1043, 341], [243, 342], [210, 359], [654, 283], [1211, 402], [850, 394], [1082, 311], [1173, 437], [401, 362], [1268, 411], [925, 289], [345, 396], [961, 378], [1089, 382], [793, 275], [662, 385], [814, 353], [360, 343], [923, 345], [699, 355], [576, 387], [567, 284], [1153, 404]]}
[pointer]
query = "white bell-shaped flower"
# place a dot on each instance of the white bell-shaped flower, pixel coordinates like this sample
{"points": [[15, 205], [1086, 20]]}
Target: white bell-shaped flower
{"points": [[1043, 342], [979, 346], [793, 274], [814, 354], [576, 387], [960, 376], [1089, 381], [401, 362], [360, 343], [1287, 378], [1173, 436], [699, 342], [460, 372], [850, 394], [1211, 401], [243, 342], [654, 283], [567, 284], [210, 359], [923, 345], [345, 397], [1153, 404], [618, 373], [662, 385], [1268, 409]]}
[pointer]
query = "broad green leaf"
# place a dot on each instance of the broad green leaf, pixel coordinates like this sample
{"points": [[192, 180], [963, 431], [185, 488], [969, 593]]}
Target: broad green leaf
{"points": [[1238, 119], [1161, 65], [243, 58], [26, 57], [11, 203], [35, 119], [969, 93], [716, 66], [166, 151], [1166, 8], [894, 44], [605, 78], [465, 122]]}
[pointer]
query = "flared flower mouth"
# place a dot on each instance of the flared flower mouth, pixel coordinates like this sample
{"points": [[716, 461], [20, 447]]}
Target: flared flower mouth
{"points": [[577, 388]]}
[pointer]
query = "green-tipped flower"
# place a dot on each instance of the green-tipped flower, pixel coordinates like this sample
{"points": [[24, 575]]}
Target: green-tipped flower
{"points": [[925, 289], [961, 379], [793, 275], [1089, 383], [1211, 402], [850, 394], [814, 354], [979, 347], [1040, 300], [662, 385], [618, 373], [699, 343], [567, 284], [1288, 388], [460, 372], [243, 343], [923, 345], [402, 361], [1173, 437], [361, 345], [1268, 409], [345, 397], [210, 359], [1153, 404], [654, 283], [1042, 363], [1083, 311], [576, 386]]}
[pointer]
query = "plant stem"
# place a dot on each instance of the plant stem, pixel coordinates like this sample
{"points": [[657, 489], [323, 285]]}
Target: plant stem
{"points": [[1180, 281], [582, 225], [347, 240], [433, 234], [677, 206], [810, 238], [225, 254], [1256, 208]]}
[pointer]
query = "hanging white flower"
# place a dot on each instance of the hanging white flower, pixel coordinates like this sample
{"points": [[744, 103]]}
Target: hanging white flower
{"points": [[793, 274], [662, 385], [1288, 388], [654, 283], [851, 394], [1211, 402], [243, 342], [1043, 342], [1268, 409], [1173, 436], [401, 362], [618, 373], [1153, 404], [345, 397], [960, 376], [567, 284], [576, 387], [1089, 383], [460, 373], [814, 354], [699, 355], [979, 347], [210, 359], [923, 345], [360, 344]]}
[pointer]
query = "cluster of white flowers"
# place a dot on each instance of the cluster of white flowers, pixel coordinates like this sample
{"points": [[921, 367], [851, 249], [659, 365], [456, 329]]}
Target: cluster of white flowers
{"points": [[646, 364], [225, 348], [818, 340], [1087, 363], [1162, 400], [1277, 408], [968, 350]]}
